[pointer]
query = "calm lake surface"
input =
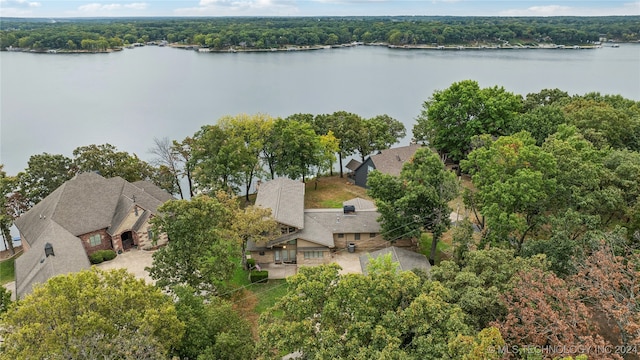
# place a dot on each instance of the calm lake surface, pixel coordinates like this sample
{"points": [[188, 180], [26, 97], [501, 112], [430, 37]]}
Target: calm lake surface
{"points": [[56, 103]]}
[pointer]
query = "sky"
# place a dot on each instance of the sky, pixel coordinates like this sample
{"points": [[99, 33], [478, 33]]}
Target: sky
{"points": [[146, 8]]}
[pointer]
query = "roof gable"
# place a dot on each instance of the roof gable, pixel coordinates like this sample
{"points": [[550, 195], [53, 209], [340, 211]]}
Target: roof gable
{"points": [[390, 161], [33, 267], [285, 198]]}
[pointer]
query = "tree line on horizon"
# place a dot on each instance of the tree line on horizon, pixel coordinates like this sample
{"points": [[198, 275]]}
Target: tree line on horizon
{"points": [[273, 33]]}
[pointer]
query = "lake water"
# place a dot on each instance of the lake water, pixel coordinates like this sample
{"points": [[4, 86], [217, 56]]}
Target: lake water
{"points": [[55, 103]]}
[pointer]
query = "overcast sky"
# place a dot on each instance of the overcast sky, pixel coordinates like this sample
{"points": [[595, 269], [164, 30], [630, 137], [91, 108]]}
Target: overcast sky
{"points": [[114, 8]]}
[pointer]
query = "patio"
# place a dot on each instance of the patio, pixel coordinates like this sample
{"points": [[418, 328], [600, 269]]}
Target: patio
{"points": [[349, 262]]}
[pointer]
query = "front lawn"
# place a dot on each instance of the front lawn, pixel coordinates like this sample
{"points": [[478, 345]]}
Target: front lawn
{"points": [[7, 270], [442, 249], [330, 192]]}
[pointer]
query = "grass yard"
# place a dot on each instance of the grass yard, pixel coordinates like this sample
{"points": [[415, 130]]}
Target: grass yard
{"points": [[7, 270], [331, 191], [442, 249]]}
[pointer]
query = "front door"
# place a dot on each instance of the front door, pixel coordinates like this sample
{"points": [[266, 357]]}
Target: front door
{"points": [[127, 240]]}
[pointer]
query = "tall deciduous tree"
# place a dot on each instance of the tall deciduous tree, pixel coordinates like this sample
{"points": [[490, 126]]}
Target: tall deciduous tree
{"points": [[251, 130], [451, 117], [416, 201], [92, 314], [183, 153], [299, 149], [543, 310], [109, 162], [213, 330], [395, 316], [516, 182], [201, 248], [7, 189], [44, 173], [379, 133], [611, 284], [167, 158]]}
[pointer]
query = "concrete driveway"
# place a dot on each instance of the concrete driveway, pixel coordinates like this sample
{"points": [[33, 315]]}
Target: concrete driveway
{"points": [[134, 261]]}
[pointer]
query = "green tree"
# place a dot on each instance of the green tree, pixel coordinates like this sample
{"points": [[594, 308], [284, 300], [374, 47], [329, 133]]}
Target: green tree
{"points": [[250, 129], [5, 300], [515, 181], [379, 133], [201, 248], [300, 149], [44, 173], [396, 316], [168, 162], [74, 316], [216, 159], [451, 117], [416, 201], [7, 189], [477, 285], [348, 128], [213, 330], [109, 162]]}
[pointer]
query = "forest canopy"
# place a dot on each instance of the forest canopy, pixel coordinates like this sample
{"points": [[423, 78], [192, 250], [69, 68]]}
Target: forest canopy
{"points": [[273, 33]]}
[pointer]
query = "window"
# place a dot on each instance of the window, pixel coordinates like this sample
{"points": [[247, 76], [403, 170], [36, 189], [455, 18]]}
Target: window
{"points": [[356, 236], [150, 234], [372, 235], [95, 240], [340, 236], [313, 255]]}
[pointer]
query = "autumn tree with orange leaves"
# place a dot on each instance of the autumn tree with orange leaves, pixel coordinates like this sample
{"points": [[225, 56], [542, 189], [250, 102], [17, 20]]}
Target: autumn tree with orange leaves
{"points": [[543, 311]]}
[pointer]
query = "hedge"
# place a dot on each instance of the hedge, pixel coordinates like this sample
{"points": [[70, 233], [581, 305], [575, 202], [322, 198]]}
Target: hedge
{"points": [[259, 276], [102, 255]]}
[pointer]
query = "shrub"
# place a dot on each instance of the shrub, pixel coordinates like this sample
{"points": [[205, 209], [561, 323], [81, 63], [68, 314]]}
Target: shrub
{"points": [[108, 254], [96, 258], [259, 276], [251, 263]]}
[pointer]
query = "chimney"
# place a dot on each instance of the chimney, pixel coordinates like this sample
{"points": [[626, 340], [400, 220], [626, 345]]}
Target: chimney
{"points": [[48, 250]]}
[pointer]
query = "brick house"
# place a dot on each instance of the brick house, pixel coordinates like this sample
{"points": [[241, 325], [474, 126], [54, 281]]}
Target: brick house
{"points": [[85, 214], [310, 236]]}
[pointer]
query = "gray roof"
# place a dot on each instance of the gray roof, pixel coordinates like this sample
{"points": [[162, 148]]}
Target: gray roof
{"points": [[353, 164], [361, 204], [285, 198], [82, 205], [406, 259], [390, 161], [87, 203], [334, 221], [34, 268]]}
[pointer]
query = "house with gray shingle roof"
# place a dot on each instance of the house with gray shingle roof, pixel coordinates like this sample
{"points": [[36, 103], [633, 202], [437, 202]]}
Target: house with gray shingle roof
{"points": [[85, 214], [309, 236], [389, 161]]}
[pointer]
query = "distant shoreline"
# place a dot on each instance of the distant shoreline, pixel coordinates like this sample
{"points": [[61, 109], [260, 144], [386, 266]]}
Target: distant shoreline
{"points": [[323, 47]]}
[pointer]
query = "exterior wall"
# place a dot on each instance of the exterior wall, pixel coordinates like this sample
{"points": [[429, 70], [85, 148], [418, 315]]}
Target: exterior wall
{"points": [[366, 242], [325, 259], [145, 243], [128, 222], [362, 173], [267, 258], [304, 245], [106, 243]]}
